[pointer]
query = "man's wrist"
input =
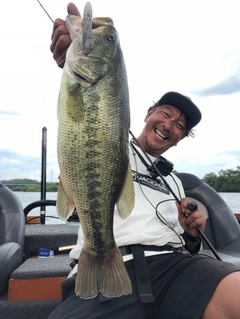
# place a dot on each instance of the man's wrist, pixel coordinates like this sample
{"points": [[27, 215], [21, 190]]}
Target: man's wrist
{"points": [[191, 238]]}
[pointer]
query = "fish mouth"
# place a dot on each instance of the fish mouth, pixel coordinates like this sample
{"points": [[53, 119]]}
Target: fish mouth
{"points": [[161, 135], [82, 74], [80, 77]]}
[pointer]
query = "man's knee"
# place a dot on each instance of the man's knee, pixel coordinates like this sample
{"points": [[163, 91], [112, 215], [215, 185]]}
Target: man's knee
{"points": [[224, 303]]}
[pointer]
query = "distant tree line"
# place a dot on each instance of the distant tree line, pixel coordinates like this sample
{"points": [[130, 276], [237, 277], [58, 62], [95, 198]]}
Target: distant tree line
{"points": [[32, 185], [226, 180]]}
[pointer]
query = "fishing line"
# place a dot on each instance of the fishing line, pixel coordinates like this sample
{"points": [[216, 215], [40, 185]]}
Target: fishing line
{"points": [[61, 62], [52, 22], [45, 11], [175, 196]]}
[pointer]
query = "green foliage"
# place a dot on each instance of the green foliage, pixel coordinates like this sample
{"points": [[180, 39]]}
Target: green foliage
{"points": [[21, 180], [227, 180], [52, 187], [32, 185]]}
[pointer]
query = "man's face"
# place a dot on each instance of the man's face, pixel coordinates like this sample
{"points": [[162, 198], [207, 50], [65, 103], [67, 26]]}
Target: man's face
{"points": [[165, 127]]}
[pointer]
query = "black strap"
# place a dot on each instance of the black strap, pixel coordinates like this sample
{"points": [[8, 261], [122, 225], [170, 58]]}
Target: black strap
{"points": [[142, 275], [140, 156], [150, 168], [141, 269]]}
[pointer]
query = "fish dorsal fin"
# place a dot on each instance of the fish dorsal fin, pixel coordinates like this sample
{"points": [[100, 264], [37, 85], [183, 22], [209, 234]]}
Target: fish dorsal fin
{"points": [[126, 199]]}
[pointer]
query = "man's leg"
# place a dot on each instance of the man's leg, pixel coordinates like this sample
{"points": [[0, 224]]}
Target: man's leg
{"points": [[225, 303], [127, 307]]}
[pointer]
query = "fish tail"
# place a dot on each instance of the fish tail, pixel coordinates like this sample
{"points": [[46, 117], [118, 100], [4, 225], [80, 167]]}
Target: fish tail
{"points": [[106, 274], [86, 280], [113, 279]]}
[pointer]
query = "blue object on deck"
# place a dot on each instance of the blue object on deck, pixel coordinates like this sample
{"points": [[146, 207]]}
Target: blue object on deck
{"points": [[44, 252]]}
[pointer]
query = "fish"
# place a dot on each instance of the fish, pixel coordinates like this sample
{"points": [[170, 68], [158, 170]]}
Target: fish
{"points": [[93, 151]]}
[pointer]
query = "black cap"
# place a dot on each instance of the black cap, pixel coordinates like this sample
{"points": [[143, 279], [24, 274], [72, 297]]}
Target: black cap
{"points": [[184, 104]]}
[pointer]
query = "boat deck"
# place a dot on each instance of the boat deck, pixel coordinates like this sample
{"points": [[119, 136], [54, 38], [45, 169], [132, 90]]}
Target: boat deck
{"points": [[35, 286]]}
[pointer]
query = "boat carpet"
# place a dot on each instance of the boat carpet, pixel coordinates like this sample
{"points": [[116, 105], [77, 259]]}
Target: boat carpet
{"points": [[37, 309], [39, 279], [49, 237], [35, 288], [57, 266]]}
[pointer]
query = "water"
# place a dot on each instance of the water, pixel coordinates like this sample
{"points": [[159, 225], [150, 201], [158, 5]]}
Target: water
{"points": [[232, 199], [29, 197]]}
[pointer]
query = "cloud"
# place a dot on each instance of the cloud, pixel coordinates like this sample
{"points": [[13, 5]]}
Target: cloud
{"points": [[234, 153], [228, 159], [159, 59], [18, 165], [10, 113], [15, 165], [229, 85]]}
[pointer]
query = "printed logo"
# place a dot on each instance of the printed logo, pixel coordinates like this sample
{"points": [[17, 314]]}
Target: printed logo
{"points": [[148, 181]]}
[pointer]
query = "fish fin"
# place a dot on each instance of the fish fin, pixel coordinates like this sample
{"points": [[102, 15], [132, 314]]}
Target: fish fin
{"points": [[76, 101], [113, 279], [86, 280], [65, 206], [70, 94], [126, 200], [106, 274]]}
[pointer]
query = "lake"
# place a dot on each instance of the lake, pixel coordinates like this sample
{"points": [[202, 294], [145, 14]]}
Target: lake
{"points": [[232, 199], [29, 197]]}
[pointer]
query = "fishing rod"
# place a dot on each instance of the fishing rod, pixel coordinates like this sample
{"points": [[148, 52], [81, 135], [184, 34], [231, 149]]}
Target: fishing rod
{"points": [[45, 11], [190, 207], [52, 22]]}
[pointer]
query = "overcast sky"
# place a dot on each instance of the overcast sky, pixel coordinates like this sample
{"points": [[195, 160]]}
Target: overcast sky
{"points": [[188, 46]]}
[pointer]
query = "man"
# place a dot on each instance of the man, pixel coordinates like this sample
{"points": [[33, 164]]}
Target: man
{"points": [[168, 282]]}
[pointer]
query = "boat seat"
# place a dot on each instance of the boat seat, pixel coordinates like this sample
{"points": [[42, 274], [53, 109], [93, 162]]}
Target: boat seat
{"points": [[12, 235], [222, 228]]}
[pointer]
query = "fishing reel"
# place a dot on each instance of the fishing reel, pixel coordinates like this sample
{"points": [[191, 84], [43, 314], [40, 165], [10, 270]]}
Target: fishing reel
{"points": [[163, 166]]}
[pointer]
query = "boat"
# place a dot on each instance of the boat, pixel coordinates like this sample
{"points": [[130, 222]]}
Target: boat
{"points": [[33, 255], [30, 287]]}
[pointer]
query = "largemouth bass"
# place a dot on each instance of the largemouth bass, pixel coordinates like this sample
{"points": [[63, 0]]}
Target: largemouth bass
{"points": [[95, 174]]}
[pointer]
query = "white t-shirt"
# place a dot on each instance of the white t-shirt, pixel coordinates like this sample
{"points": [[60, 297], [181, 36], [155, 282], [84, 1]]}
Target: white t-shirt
{"points": [[143, 226]]}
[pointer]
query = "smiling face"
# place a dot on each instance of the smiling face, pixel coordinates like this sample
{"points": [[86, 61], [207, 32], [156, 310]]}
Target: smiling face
{"points": [[165, 127]]}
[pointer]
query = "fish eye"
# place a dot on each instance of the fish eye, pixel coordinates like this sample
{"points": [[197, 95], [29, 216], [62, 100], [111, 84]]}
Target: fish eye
{"points": [[110, 37]]}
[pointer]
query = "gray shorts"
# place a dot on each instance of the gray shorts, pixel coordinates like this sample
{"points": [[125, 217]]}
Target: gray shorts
{"points": [[182, 286]]}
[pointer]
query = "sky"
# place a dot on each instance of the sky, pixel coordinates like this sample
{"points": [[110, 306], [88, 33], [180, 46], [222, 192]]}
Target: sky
{"points": [[187, 46]]}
